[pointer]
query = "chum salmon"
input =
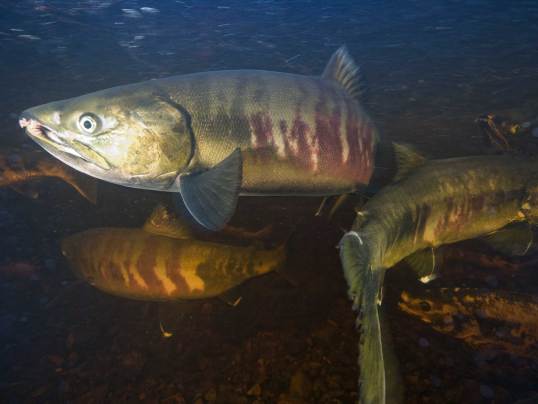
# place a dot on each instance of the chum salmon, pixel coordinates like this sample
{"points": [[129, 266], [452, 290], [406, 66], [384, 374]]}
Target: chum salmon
{"points": [[440, 202], [214, 135], [162, 261]]}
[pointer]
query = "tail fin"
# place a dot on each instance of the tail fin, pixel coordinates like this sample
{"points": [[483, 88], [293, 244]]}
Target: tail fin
{"points": [[84, 185], [379, 377]]}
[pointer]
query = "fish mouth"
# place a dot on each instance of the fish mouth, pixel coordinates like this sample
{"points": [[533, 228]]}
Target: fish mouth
{"points": [[66, 151], [37, 130]]}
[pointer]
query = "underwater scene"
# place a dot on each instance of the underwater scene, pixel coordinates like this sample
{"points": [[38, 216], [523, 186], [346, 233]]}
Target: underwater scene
{"points": [[268, 201]]}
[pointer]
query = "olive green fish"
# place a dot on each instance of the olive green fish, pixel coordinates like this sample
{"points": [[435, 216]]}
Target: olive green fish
{"points": [[163, 262], [441, 202], [214, 135], [19, 167]]}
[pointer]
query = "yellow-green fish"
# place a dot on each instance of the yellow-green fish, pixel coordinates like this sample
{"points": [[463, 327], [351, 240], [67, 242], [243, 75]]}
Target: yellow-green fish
{"points": [[214, 135], [18, 167], [163, 262], [441, 202]]}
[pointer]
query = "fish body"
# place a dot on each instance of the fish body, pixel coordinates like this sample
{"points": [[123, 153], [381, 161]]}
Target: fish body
{"points": [[446, 201], [138, 264], [441, 202], [214, 135], [18, 167]]}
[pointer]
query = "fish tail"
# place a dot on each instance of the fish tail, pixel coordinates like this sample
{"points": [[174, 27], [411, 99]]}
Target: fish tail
{"points": [[379, 380]]}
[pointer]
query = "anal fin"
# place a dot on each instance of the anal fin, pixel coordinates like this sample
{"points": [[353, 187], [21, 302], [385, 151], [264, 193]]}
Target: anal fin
{"points": [[514, 239]]}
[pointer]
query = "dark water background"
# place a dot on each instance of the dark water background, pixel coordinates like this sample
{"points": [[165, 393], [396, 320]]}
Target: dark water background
{"points": [[430, 68]]}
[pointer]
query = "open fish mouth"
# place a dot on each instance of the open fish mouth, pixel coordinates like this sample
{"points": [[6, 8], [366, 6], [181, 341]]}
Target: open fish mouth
{"points": [[51, 141]]}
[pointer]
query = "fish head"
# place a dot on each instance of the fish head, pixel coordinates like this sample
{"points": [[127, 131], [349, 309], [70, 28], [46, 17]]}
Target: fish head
{"points": [[129, 135], [73, 249], [268, 260]]}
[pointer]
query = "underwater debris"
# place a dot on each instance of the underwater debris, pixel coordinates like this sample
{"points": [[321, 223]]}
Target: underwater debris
{"points": [[19, 167], [484, 319]]}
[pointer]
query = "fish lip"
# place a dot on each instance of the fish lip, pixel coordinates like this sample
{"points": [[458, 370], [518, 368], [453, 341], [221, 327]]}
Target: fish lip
{"points": [[37, 129]]}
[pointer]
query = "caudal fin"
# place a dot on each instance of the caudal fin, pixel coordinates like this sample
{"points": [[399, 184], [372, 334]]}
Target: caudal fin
{"points": [[379, 381]]}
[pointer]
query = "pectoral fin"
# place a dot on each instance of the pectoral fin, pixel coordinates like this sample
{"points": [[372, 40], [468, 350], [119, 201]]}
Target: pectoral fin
{"points": [[515, 239], [211, 196], [423, 263]]}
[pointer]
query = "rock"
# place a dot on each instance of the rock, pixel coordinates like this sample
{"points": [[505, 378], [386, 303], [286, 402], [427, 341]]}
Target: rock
{"points": [[300, 385]]}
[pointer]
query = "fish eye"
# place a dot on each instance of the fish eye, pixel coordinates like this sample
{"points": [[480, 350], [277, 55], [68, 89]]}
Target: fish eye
{"points": [[88, 123]]}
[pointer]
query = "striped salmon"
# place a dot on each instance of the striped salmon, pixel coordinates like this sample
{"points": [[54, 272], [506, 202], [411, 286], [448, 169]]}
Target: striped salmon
{"points": [[441, 202], [163, 262], [214, 135]]}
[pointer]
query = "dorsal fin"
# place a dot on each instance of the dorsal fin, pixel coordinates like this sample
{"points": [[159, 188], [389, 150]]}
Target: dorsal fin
{"points": [[163, 223], [407, 159], [343, 69]]}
